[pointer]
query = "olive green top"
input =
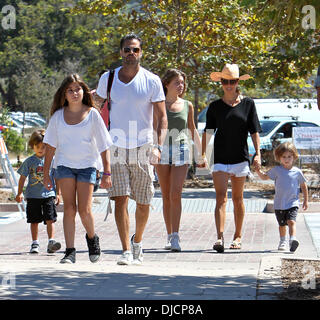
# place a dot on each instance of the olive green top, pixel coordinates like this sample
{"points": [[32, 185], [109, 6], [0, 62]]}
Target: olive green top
{"points": [[178, 125]]}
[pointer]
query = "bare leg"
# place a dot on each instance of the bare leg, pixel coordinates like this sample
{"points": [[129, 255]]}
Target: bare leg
{"points": [[50, 229], [177, 177], [163, 172], [220, 180], [122, 220], [68, 191], [84, 193], [142, 215], [34, 227], [237, 184]]}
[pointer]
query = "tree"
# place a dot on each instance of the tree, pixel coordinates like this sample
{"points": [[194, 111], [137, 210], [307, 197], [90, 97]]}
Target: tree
{"points": [[46, 42], [266, 38]]}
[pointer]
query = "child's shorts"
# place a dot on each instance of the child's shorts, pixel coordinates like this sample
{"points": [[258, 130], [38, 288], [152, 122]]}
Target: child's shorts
{"points": [[39, 210], [284, 215], [82, 175]]}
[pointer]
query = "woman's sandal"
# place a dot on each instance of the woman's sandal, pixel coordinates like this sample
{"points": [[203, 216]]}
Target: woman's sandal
{"points": [[236, 244], [219, 246]]}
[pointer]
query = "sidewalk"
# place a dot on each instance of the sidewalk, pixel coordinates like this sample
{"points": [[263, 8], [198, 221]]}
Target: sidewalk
{"points": [[196, 273]]}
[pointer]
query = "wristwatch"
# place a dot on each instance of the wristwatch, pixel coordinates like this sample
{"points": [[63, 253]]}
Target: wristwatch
{"points": [[158, 146]]}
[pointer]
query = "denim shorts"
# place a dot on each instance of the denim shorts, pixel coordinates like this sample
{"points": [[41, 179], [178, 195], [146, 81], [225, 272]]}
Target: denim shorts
{"points": [[177, 155], [241, 169], [81, 175]]}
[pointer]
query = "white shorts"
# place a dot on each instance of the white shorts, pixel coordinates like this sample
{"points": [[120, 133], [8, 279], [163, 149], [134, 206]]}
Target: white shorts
{"points": [[241, 169]]}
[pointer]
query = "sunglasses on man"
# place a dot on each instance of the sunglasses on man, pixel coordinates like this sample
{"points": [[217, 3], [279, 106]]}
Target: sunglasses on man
{"points": [[226, 81], [134, 50]]}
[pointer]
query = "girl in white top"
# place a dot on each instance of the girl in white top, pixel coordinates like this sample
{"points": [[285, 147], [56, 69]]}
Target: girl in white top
{"points": [[78, 138]]}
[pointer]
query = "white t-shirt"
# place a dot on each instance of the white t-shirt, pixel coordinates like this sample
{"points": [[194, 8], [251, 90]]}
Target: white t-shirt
{"points": [[78, 146], [131, 116]]}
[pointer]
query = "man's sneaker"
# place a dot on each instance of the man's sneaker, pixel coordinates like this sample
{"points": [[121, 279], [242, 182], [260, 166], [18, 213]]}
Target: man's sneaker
{"points": [[125, 259], [282, 245], [34, 248], [94, 248], [175, 242], [53, 246], [136, 251], [294, 244], [70, 256], [168, 244]]}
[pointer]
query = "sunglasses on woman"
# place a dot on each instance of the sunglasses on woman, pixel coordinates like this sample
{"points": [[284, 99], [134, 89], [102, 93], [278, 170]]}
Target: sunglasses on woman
{"points": [[226, 81], [134, 50]]}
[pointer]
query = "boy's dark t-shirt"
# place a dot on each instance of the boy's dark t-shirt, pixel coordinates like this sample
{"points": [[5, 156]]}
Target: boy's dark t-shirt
{"points": [[232, 125]]}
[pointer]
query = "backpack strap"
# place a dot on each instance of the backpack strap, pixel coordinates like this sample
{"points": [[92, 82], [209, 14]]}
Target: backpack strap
{"points": [[110, 81]]}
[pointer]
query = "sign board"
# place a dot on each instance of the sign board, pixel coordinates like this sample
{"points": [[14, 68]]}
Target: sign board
{"points": [[306, 137]]}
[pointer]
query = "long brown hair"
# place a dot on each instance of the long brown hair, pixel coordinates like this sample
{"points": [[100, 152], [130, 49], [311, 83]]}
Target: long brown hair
{"points": [[60, 101], [169, 75]]}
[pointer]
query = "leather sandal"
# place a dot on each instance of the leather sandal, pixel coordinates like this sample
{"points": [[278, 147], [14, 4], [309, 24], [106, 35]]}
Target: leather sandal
{"points": [[219, 246], [236, 244]]}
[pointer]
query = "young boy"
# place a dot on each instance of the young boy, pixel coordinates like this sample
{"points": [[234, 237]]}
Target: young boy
{"points": [[288, 179], [41, 204]]}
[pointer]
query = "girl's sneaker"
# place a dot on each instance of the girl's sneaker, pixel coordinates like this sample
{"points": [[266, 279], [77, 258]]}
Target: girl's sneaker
{"points": [[175, 242], [70, 256], [294, 244], [34, 248], [282, 245], [168, 244], [94, 248]]}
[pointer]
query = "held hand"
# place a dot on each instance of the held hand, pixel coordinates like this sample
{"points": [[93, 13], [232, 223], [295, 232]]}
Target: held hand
{"points": [[47, 183], [155, 156], [106, 182], [19, 197], [202, 163], [257, 162]]}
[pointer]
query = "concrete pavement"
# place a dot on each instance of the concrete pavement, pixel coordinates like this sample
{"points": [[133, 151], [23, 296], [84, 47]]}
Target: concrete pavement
{"points": [[196, 273]]}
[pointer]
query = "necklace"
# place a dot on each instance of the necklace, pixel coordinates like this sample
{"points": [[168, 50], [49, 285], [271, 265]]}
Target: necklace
{"points": [[233, 101]]}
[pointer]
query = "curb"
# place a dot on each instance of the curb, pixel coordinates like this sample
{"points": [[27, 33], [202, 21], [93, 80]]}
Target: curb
{"points": [[269, 279]]}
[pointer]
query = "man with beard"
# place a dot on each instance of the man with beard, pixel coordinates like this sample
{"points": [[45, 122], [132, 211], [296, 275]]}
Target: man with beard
{"points": [[137, 109]]}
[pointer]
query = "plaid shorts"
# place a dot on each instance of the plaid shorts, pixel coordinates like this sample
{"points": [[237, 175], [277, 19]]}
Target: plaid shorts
{"points": [[132, 174]]}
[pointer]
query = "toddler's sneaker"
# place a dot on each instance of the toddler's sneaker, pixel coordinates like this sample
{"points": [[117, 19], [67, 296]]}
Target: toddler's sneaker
{"points": [[94, 248], [294, 244], [34, 248], [175, 242], [125, 259], [136, 251], [282, 245], [53, 246], [70, 256], [168, 244]]}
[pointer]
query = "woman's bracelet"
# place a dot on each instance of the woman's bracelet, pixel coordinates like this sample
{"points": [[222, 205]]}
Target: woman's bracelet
{"points": [[107, 174]]}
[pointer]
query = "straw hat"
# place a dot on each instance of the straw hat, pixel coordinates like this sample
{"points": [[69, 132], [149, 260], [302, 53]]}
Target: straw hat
{"points": [[229, 71]]}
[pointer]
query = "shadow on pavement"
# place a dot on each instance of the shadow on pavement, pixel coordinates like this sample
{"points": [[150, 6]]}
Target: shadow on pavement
{"points": [[69, 284]]}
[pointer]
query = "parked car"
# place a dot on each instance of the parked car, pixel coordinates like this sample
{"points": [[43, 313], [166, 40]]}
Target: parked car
{"points": [[276, 130]]}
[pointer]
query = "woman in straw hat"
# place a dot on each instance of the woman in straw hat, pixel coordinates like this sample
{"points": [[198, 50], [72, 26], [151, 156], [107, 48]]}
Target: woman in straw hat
{"points": [[230, 119]]}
